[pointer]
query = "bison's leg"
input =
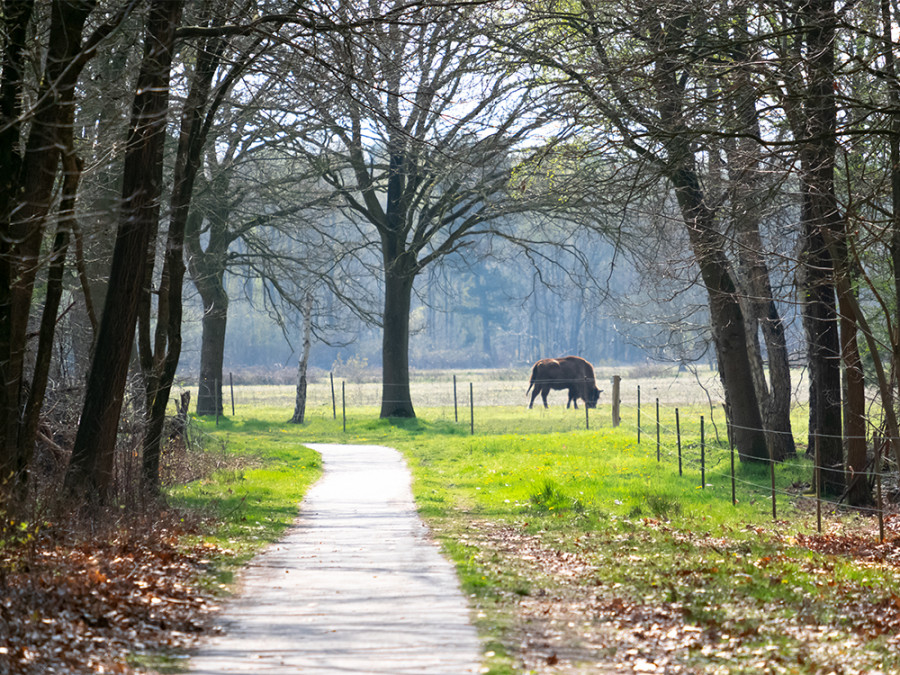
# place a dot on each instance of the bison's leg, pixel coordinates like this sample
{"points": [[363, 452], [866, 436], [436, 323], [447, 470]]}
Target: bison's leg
{"points": [[545, 389], [534, 394], [573, 398]]}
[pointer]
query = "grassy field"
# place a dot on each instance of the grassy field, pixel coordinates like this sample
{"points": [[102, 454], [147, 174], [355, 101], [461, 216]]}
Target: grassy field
{"points": [[579, 550]]}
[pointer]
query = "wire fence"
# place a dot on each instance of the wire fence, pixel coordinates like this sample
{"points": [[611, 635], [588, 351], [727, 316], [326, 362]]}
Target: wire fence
{"points": [[697, 444]]}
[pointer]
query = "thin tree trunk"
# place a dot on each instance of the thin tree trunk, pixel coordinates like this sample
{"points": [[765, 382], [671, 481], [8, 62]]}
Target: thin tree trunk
{"points": [[47, 332], [167, 343], [300, 401], [90, 471], [748, 196], [894, 246], [727, 321]]}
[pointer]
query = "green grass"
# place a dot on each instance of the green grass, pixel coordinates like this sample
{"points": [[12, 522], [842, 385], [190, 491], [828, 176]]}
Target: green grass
{"points": [[729, 569]]}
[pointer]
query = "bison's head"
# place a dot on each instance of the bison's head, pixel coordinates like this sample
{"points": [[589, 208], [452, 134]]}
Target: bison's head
{"points": [[593, 396]]}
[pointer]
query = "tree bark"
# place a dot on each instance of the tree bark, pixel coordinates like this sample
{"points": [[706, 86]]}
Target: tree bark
{"points": [[300, 400], [747, 196], [819, 213], [399, 275], [90, 472], [212, 345], [160, 365], [28, 197], [35, 402], [727, 320]]}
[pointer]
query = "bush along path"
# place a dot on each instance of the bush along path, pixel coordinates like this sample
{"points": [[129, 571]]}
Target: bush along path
{"points": [[356, 585]]}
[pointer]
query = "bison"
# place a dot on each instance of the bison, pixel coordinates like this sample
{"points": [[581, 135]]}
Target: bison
{"points": [[569, 372]]}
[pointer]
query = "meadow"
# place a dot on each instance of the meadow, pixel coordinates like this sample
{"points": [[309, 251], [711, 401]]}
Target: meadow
{"points": [[579, 549]]}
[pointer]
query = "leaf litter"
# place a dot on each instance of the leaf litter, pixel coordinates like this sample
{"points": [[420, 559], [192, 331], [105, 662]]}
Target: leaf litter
{"points": [[573, 619], [71, 603]]}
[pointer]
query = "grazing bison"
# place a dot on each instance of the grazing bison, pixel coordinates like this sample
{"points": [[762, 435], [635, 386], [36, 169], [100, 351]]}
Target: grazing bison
{"points": [[569, 372]]}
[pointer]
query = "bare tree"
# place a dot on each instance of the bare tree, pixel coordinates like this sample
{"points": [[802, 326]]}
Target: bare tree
{"points": [[90, 470], [416, 134]]}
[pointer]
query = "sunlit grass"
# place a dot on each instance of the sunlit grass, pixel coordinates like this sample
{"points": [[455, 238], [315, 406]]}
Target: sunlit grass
{"points": [[729, 566]]}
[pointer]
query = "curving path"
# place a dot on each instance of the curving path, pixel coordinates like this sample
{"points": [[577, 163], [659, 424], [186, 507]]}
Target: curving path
{"points": [[356, 586]]}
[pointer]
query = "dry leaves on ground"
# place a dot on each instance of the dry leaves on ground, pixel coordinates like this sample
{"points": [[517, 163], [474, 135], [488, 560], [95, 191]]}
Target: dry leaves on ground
{"points": [[568, 623], [76, 604]]}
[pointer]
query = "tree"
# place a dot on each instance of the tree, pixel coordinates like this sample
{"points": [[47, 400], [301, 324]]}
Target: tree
{"points": [[623, 75], [159, 360], [415, 132], [90, 471], [30, 176]]}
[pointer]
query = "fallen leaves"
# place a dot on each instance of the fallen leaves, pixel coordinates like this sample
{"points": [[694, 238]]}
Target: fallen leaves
{"points": [[74, 604], [707, 616]]}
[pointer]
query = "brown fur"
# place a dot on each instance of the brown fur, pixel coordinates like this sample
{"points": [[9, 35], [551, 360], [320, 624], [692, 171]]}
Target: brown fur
{"points": [[569, 372]]}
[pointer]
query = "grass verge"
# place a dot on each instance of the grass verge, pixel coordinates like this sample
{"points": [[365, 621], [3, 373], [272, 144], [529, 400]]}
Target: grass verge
{"points": [[581, 552]]}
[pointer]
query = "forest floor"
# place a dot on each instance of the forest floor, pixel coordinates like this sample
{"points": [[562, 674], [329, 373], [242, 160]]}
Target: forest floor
{"points": [[136, 595], [77, 604]]}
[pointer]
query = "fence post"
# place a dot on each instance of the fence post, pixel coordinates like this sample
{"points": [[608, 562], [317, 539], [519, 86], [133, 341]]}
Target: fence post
{"points": [[733, 493], [471, 411], [333, 403], [231, 381], [455, 408], [587, 420], [616, 383], [217, 399], [657, 431], [702, 456], [639, 414], [678, 436], [344, 403], [772, 475]]}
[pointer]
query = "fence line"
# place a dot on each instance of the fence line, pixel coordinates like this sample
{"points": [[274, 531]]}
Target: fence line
{"points": [[665, 450]]}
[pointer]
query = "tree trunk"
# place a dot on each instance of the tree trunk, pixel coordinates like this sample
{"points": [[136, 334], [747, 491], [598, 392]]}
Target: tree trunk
{"points": [[894, 245], [858, 493], [212, 346], [29, 196], [762, 315], [396, 400], [727, 320], [708, 245], [300, 401], [44, 354], [91, 468], [163, 361], [17, 18], [819, 213]]}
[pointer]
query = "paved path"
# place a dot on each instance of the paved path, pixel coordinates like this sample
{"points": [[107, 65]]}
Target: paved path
{"points": [[356, 586]]}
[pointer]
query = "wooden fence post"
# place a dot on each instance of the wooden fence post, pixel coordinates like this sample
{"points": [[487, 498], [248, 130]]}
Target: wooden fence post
{"points": [[639, 414], [678, 436], [471, 411], [657, 431], [702, 456], [587, 421], [616, 384], [333, 403], [817, 476]]}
